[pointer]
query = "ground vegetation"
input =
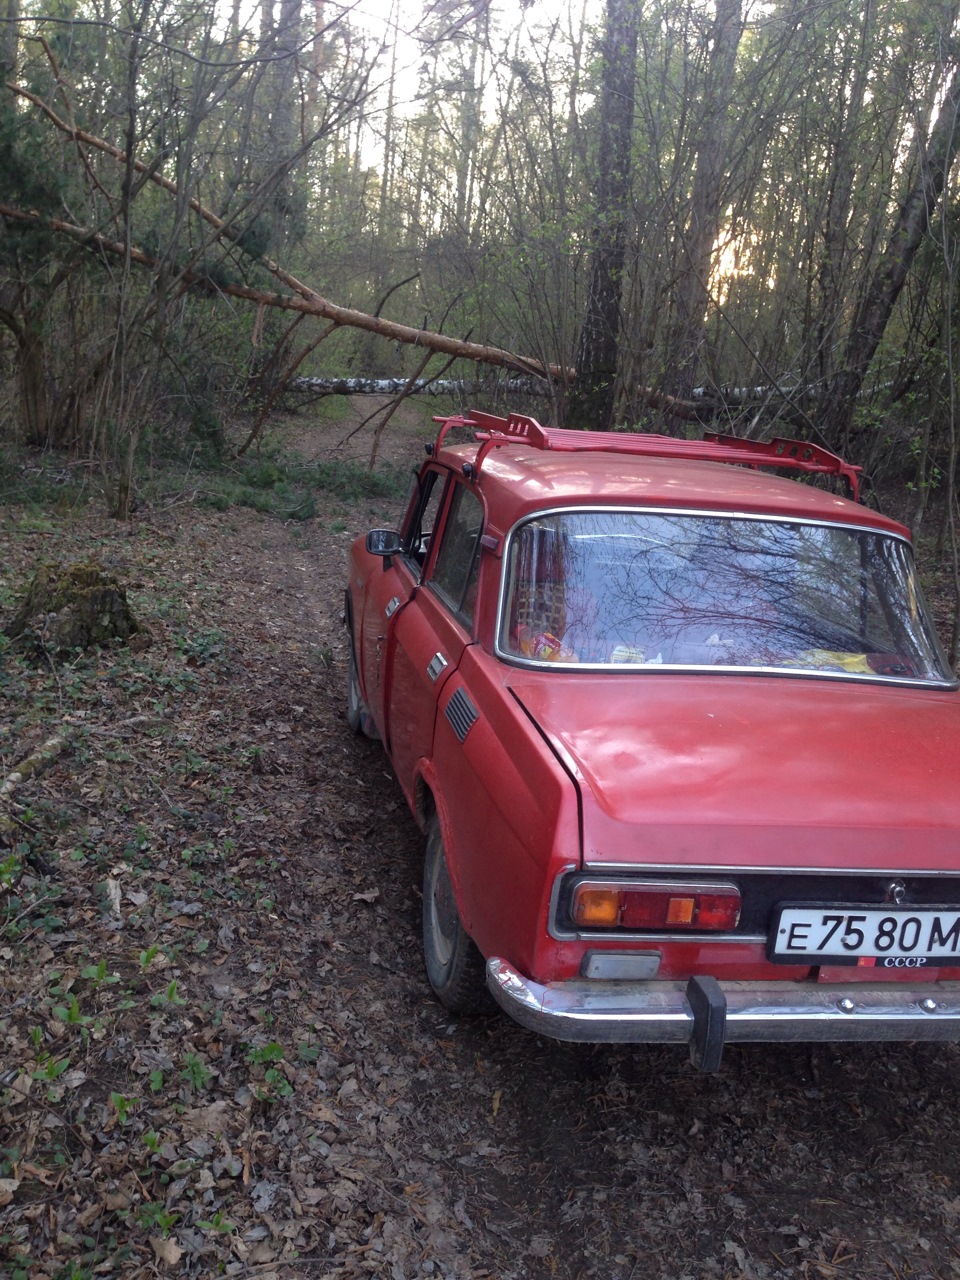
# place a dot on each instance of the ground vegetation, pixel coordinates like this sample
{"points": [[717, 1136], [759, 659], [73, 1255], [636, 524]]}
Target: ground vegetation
{"points": [[219, 1053]]}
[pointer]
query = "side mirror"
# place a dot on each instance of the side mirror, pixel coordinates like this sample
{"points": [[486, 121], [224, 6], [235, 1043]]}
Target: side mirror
{"points": [[384, 542]]}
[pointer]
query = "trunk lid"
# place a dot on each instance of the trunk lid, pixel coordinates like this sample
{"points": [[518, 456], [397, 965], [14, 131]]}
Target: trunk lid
{"points": [[755, 771]]}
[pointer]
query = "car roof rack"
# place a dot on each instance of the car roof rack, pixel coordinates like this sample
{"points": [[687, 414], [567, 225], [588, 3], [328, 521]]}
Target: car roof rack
{"points": [[518, 428]]}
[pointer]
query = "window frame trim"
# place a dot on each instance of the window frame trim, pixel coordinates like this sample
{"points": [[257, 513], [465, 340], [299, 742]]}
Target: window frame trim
{"points": [[427, 580], [415, 515]]}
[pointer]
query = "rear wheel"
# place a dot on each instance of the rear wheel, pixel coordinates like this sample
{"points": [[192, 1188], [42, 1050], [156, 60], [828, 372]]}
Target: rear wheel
{"points": [[454, 965]]}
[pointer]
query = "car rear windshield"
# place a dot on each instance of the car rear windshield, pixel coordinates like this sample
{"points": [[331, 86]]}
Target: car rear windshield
{"points": [[654, 589]]}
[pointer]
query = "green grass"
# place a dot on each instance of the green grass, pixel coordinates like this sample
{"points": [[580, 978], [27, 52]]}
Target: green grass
{"points": [[41, 482], [46, 487], [290, 488]]}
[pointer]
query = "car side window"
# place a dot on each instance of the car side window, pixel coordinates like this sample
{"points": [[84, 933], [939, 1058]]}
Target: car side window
{"points": [[457, 566], [423, 520]]}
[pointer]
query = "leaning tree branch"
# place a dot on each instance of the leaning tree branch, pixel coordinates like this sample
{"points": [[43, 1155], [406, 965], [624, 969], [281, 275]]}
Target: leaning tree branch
{"points": [[312, 305], [934, 158], [395, 405], [307, 300]]}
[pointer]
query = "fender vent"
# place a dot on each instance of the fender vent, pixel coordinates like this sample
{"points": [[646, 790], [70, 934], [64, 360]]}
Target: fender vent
{"points": [[461, 713]]}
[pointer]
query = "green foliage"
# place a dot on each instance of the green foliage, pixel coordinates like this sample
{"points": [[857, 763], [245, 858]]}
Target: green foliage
{"points": [[255, 239], [195, 1071], [50, 1068], [31, 181], [156, 1218], [97, 974], [218, 1223], [36, 481], [263, 475], [206, 428], [123, 1106], [201, 648], [74, 1271], [272, 1052], [11, 868], [270, 1081], [71, 1015], [21, 1263], [168, 998], [354, 483]]}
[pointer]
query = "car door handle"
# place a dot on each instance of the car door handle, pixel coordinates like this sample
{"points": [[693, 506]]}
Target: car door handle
{"points": [[436, 665], [392, 607]]}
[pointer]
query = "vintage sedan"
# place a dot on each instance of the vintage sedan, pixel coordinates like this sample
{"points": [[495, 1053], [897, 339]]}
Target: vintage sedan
{"points": [[679, 733]]}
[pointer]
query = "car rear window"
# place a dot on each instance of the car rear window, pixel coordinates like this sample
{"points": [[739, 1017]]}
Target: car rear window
{"points": [[655, 589]]}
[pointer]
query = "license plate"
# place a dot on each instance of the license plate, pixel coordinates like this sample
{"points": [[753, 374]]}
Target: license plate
{"points": [[898, 938]]}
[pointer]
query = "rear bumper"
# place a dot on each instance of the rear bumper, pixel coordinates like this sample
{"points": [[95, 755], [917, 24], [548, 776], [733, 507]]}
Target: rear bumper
{"points": [[673, 1013]]}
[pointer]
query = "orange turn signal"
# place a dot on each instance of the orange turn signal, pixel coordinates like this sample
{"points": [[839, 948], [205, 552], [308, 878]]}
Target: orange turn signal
{"points": [[597, 907], [681, 910]]}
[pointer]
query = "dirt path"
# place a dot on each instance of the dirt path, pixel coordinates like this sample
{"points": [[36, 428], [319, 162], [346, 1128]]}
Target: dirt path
{"points": [[271, 856]]}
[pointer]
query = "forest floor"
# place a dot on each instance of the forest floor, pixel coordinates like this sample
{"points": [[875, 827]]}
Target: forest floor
{"points": [[218, 1050]]}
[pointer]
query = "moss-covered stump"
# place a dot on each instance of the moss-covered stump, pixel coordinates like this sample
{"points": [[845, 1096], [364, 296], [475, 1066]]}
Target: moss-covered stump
{"points": [[71, 607]]}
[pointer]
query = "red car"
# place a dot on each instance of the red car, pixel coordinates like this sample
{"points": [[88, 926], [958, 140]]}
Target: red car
{"points": [[680, 735]]}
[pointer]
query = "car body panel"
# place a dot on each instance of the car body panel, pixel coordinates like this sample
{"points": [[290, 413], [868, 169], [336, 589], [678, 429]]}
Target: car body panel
{"points": [[507, 843], [424, 646]]}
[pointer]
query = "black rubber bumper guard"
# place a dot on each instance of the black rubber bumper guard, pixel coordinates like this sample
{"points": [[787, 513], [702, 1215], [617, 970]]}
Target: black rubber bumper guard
{"points": [[709, 1007]]}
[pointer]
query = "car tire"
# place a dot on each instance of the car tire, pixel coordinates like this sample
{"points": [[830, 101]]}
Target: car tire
{"points": [[455, 967], [354, 700], [358, 715]]}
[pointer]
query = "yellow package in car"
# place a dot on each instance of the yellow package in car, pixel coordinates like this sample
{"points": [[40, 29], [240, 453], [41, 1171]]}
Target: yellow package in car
{"points": [[830, 660]]}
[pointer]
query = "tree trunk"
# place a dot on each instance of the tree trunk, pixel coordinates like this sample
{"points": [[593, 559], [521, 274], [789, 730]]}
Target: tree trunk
{"points": [[934, 158], [33, 384], [703, 224], [9, 38], [33, 374], [386, 213], [593, 400]]}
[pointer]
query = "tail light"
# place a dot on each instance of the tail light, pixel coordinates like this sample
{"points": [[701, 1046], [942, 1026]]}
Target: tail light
{"points": [[651, 904]]}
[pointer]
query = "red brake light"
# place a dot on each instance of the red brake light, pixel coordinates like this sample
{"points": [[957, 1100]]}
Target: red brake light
{"points": [[640, 904], [719, 910]]}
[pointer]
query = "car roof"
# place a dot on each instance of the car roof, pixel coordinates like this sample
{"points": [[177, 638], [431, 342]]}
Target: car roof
{"points": [[517, 481]]}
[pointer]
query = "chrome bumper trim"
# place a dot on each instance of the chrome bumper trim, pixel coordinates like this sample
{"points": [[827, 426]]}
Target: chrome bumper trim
{"points": [[659, 1012]]}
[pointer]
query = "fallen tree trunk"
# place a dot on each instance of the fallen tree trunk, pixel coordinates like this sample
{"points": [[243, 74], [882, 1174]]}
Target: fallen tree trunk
{"points": [[30, 765], [704, 406], [33, 763], [306, 300], [419, 386], [687, 410]]}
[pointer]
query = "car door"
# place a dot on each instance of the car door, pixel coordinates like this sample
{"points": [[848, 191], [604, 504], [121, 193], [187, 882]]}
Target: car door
{"points": [[391, 587], [426, 639]]}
